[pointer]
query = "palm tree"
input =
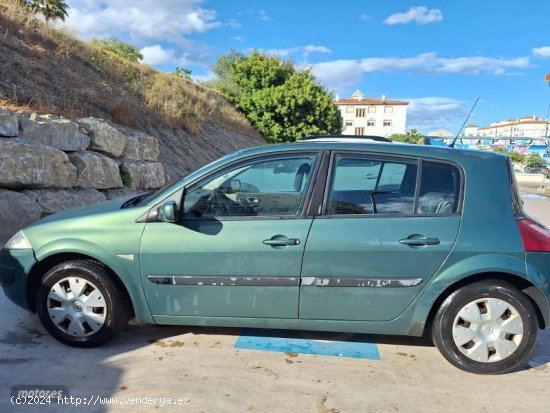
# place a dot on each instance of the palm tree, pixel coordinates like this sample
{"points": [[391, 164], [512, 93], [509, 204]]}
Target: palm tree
{"points": [[51, 9], [415, 136]]}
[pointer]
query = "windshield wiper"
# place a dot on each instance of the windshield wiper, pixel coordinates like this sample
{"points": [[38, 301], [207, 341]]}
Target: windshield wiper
{"points": [[133, 201]]}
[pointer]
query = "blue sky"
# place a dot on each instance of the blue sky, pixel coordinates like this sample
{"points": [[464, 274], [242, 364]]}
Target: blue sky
{"points": [[439, 55]]}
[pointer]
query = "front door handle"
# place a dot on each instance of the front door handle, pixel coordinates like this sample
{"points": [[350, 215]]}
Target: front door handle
{"points": [[418, 241], [281, 241]]}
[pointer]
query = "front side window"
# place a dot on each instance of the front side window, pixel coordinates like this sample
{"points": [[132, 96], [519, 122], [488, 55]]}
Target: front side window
{"points": [[365, 185], [262, 187]]}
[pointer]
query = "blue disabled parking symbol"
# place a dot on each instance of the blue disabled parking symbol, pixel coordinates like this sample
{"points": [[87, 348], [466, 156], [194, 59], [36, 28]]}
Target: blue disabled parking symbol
{"points": [[323, 344]]}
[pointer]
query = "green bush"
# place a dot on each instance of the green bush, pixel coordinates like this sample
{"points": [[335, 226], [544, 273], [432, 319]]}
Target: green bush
{"points": [[412, 136], [120, 48], [535, 162]]}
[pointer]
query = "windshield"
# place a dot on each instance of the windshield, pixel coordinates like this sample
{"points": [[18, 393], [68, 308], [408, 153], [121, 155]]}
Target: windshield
{"points": [[142, 200]]}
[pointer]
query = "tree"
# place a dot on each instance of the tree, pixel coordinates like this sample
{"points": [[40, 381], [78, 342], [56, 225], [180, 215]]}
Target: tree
{"points": [[120, 48], [516, 157], [282, 102], [224, 69], [412, 136], [50, 9], [183, 72]]}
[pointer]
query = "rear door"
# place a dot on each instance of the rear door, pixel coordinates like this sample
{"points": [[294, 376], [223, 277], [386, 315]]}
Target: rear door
{"points": [[388, 226]]}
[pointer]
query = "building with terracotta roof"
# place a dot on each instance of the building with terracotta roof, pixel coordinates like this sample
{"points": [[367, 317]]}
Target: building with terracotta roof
{"points": [[370, 116], [526, 127]]}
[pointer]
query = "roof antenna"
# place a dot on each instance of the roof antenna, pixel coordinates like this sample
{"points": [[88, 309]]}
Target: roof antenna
{"points": [[452, 145]]}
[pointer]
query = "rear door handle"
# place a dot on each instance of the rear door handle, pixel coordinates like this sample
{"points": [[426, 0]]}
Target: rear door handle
{"points": [[281, 241], [413, 241]]}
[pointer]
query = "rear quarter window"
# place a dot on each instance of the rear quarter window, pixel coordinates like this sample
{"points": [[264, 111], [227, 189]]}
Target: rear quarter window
{"points": [[440, 185], [517, 203]]}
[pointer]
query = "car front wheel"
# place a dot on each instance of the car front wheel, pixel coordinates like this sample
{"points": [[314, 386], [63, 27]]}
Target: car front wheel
{"points": [[79, 304], [487, 327]]}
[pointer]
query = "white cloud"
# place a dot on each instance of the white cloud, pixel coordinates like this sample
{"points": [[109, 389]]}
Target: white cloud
{"points": [[316, 49], [204, 77], [141, 20], [239, 39], [341, 74], [264, 16], [365, 18], [234, 24], [148, 24], [542, 52], [427, 114], [420, 15], [479, 64], [157, 55], [304, 50]]}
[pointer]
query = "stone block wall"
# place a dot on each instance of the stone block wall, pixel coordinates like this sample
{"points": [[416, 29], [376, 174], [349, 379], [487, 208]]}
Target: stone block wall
{"points": [[48, 164]]}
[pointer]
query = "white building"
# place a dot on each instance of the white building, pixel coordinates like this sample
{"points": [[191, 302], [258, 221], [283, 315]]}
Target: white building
{"points": [[369, 116], [526, 127]]}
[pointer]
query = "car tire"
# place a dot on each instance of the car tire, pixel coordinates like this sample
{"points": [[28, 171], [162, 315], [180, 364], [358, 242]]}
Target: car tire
{"points": [[488, 327], [89, 318]]}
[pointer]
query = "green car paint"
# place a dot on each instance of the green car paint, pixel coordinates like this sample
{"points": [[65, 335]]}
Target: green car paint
{"points": [[345, 273]]}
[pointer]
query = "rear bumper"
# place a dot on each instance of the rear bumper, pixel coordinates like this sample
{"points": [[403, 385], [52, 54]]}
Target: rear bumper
{"points": [[15, 266], [538, 268]]}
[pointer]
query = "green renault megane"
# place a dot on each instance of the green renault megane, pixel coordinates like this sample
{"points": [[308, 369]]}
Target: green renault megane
{"points": [[329, 234]]}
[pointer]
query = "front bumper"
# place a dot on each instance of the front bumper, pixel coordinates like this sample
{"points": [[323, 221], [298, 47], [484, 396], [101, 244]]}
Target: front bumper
{"points": [[15, 266]]}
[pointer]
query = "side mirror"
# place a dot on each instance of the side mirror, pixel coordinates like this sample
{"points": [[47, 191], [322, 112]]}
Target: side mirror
{"points": [[168, 211]]}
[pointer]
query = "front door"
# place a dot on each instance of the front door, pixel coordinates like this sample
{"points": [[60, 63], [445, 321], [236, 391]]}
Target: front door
{"points": [[382, 238], [237, 248]]}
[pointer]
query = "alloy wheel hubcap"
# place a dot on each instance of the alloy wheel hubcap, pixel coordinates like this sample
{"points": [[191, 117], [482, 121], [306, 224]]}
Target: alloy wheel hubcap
{"points": [[77, 307], [488, 330]]}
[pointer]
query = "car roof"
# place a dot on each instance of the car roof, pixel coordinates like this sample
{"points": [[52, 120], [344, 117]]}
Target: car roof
{"points": [[383, 148]]}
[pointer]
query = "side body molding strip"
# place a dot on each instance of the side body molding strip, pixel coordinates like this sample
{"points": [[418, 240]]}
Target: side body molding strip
{"points": [[284, 281], [225, 281], [360, 282]]}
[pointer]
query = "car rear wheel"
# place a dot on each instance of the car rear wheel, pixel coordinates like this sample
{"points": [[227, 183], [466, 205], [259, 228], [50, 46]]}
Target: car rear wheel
{"points": [[487, 327], [79, 304]]}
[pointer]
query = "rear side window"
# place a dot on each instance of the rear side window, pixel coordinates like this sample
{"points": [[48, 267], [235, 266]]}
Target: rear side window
{"points": [[439, 188], [367, 185], [364, 185]]}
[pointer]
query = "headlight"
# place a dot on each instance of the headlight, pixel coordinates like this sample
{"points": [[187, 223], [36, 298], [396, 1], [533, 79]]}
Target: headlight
{"points": [[18, 242]]}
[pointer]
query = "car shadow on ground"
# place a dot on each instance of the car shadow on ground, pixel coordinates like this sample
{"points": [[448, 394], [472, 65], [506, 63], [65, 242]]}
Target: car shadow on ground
{"points": [[538, 360]]}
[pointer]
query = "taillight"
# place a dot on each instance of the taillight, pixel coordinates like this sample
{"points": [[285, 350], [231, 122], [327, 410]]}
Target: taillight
{"points": [[536, 237]]}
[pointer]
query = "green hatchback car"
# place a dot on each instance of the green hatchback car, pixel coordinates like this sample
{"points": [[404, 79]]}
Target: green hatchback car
{"points": [[328, 234]]}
